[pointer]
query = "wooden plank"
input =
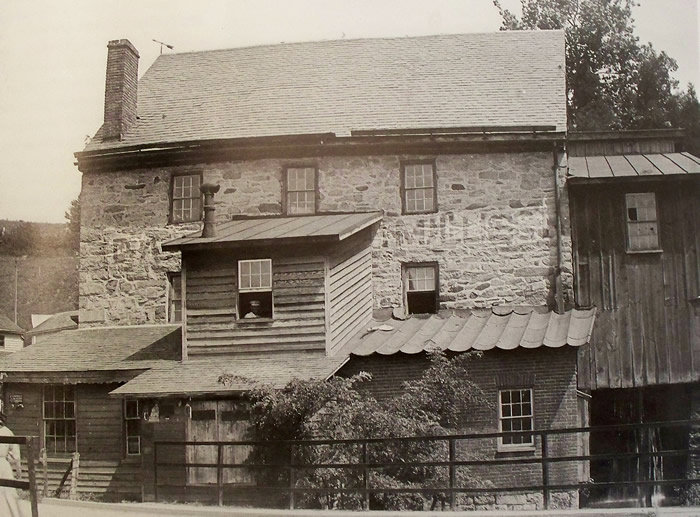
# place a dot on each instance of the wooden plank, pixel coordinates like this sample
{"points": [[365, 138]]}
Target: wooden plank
{"points": [[208, 350], [347, 302], [211, 312], [213, 288], [360, 281]]}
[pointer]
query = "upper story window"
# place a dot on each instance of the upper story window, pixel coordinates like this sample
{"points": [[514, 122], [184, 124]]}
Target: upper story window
{"points": [[255, 288], [515, 414], [418, 188], [186, 198], [421, 293], [174, 298], [642, 222], [132, 427], [59, 418], [300, 190]]}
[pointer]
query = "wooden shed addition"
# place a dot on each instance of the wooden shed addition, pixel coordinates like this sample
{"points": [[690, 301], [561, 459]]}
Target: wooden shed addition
{"points": [[271, 284]]}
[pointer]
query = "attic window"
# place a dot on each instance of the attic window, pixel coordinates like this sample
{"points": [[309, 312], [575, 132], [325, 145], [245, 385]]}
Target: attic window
{"points": [[300, 190], [255, 288], [418, 188], [421, 288], [186, 198], [642, 222]]}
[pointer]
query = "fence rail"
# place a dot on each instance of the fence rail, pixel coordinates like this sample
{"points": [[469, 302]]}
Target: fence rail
{"points": [[31, 444], [539, 454]]}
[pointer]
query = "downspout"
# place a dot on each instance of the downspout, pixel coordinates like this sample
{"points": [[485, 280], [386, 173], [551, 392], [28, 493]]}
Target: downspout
{"points": [[558, 290]]}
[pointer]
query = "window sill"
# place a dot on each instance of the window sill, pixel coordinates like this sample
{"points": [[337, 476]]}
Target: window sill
{"points": [[253, 321], [507, 449], [644, 252], [420, 213]]}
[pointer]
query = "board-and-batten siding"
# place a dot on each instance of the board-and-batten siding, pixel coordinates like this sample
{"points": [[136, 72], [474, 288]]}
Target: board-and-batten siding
{"points": [[647, 329], [349, 289], [298, 321]]}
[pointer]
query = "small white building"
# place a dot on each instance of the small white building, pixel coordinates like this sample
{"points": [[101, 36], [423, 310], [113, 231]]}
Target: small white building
{"points": [[10, 335]]}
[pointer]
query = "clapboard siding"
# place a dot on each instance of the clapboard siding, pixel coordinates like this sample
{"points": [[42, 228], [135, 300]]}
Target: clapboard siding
{"points": [[349, 289], [99, 422], [647, 330], [213, 325]]}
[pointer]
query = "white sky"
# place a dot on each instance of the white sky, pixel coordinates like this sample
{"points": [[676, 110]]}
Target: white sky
{"points": [[53, 56]]}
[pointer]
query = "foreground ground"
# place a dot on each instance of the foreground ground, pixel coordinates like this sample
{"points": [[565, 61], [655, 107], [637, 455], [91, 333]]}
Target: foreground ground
{"points": [[62, 508]]}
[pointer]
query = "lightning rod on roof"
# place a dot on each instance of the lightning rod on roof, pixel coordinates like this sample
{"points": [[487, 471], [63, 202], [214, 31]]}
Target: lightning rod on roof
{"points": [[163, 44]]}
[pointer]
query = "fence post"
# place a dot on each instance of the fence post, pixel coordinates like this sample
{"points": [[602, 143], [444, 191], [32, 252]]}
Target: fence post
{"points": [[292, 482], [545, 471], [45, 462], [31, 473], [155, 470], [220, 473], [453, 471], [73, 492], [365, 474]]}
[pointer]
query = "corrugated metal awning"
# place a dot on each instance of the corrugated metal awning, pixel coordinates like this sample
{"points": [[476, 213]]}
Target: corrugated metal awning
{"points": [[277, 230], [479, 330], [633, 165]]}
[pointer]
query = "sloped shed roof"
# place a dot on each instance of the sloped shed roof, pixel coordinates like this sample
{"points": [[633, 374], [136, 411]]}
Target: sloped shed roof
{"points": [[501, 79], [8, 326], [633, 165]]}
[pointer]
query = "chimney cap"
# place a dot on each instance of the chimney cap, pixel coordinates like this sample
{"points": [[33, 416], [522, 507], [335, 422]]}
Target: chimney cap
{"points": [[209, 188], [117, 43]]}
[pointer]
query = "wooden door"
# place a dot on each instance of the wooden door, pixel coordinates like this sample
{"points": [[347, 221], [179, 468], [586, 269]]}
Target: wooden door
{"points": [[214, 421], [202, 428]]}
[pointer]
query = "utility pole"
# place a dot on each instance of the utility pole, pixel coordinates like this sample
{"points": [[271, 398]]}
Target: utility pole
{"points": [[16, 267]]}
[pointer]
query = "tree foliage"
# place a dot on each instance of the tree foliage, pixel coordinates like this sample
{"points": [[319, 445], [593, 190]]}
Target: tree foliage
{"points": [[613, 81], [343, 408], [72, 216]]}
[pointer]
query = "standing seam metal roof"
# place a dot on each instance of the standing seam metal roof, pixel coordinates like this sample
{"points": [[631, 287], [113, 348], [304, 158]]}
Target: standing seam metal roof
{"points": [[632, 165]]}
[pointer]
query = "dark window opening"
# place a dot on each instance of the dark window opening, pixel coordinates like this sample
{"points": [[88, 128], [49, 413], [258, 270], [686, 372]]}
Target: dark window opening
{"points": [[255, 289], [204, 414], [132, 427], [421, 288], [255, 305]]}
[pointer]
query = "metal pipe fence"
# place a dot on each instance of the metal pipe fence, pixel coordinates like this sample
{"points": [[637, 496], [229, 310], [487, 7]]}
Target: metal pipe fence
{"points": [[31, 443]]}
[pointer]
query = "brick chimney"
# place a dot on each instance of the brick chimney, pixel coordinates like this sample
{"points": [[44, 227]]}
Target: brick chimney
{"points": [[120, 89]]}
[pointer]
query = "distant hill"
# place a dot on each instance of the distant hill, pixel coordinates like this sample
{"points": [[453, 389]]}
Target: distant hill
{"points": [[45, 258]]}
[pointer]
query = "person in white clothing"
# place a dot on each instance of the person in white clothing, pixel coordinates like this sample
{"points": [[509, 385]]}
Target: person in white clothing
{"points": [[9, 457]]}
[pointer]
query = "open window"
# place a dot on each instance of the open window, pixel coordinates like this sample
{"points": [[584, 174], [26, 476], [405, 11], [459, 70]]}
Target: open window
{"points": [[255, 289], [515, 413], [421, 291], [642, 222]]}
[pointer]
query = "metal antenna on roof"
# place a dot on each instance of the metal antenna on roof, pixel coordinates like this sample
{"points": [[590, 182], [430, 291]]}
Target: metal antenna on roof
{"points": [[162, 44]]}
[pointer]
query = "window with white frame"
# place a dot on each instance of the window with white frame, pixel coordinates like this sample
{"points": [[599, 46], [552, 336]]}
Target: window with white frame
{"points": [[642, 222], [419, 193], [301, 190], [186, 199], [515, 413], [59, 418], [132, 427], [174, 297], [421, 288], [255, 288]]}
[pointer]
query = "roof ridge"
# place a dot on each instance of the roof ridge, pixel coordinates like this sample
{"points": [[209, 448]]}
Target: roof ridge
{"points": [[377, 38]]}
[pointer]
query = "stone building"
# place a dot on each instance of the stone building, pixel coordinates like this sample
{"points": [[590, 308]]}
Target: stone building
{"points": [[416, 185]]}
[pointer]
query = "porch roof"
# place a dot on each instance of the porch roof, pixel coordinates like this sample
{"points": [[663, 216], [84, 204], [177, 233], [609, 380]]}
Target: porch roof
{"points": [[460, 331], [202, 376], [104, 349], [633, 165], [280, 230]]}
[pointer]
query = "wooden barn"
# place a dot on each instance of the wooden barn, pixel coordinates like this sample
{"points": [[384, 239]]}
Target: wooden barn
{"points": [[635, 214]]}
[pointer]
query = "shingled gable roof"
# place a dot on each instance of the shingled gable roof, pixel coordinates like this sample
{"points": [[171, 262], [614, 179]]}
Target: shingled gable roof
{"points": [[7, 326], [506, 79], [99, 349]]}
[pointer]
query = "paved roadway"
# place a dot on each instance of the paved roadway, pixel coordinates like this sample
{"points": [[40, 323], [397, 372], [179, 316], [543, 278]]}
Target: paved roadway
{"points": [[63, 508]]}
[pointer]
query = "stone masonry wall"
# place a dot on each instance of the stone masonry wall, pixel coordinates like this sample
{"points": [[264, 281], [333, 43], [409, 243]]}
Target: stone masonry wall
{"points": [[494, 236]]}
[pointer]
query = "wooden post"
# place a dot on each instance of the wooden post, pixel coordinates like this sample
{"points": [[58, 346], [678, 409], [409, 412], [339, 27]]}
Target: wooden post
{"points": [[453, 471], [31, 453], [220, 473], [45, 462], [73, 492], [545, 471], [365, 474], [155, 471], [291, 477]]}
